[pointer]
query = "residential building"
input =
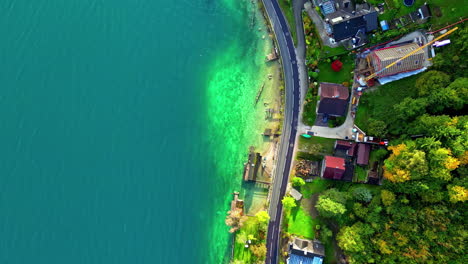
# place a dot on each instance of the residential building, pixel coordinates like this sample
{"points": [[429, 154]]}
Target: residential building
{"points": [[421, 15], [349, 147], [363, 152], [333, 99], [381, 58], [333, 168], [304, 251], [326, 6], [350, 22]]}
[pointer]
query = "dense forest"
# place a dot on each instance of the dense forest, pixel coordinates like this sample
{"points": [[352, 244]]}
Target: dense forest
{"points": [[418, 214]]}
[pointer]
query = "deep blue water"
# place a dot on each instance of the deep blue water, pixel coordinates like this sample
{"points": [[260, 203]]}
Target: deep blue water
{"points": [[103, 135]]}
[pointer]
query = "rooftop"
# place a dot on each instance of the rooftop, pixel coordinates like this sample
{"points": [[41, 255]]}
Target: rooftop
{"points": [[335, 162], [363, 154], [332, 106], [333, 90], [295, 194], [307, 247], [396, 52]]}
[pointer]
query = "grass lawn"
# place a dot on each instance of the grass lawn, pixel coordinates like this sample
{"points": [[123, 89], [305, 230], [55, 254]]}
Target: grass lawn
{"points": [[452, 10], [316, 186], [330, 52], [289, 14], [362, 116], [301, 223], [379, 104], [328, 144], [360, 174], [326, 73]]}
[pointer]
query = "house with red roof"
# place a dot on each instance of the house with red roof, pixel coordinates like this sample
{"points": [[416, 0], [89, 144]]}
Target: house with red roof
{"points": [[333, 168]]}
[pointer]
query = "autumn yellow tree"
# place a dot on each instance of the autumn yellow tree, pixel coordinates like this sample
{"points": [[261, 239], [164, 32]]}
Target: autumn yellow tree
{"points": [[457, 193], [405, 163]]}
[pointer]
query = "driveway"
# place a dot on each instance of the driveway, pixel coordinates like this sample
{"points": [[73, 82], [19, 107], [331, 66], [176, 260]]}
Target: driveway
{"points": [[319, 25]]}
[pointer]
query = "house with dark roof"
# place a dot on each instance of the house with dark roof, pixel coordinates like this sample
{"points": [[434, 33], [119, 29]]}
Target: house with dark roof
{"points": [[350, 22], [304, 251], [363, 152], [333, 168], [333, 99], [348, 147], [421, 14]]}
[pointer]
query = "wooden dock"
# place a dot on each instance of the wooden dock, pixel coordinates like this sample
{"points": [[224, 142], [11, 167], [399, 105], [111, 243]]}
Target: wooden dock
{"points": [[252, 165]]}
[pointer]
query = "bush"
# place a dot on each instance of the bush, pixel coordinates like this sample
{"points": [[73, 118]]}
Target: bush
{"points": [[297, 182]]}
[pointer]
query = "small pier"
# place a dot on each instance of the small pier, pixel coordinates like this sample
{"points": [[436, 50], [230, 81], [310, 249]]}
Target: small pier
{"points": [[252, 165], [272, 56], [236, 203]]}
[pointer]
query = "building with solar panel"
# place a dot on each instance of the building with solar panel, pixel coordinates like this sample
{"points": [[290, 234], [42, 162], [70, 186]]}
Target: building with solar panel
{"points": [[304, 251]]}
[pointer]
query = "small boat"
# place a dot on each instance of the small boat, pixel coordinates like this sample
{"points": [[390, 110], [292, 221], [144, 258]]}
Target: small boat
{"points": [[306, 135]]}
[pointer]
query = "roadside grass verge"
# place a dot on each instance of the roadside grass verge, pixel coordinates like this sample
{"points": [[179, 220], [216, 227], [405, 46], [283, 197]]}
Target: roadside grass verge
{"points": [[289, 14], [309, 114]]}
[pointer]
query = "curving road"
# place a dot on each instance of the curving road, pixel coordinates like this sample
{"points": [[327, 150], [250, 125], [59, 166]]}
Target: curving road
{"points": [[291, 113]]}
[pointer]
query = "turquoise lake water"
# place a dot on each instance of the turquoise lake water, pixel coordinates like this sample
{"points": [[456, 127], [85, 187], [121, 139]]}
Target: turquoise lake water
{"points": [[124, 125]]}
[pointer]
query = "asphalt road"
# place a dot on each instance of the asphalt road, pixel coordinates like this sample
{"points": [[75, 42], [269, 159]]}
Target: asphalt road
{"points": [[291, 113]]}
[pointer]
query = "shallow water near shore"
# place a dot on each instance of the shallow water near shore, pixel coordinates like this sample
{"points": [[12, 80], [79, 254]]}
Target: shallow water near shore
{"points": [[124, 127]]}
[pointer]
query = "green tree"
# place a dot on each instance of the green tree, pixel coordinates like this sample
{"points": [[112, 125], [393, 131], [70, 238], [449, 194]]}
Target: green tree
{"points": [[362, 194], [387, 197], [441, 162], [297, 182], [380, 153], [288, 203], [431, 81], [360, 210], [409, 108], [376, 128], [329, 208], [455, 96], [325, 233], [262, 218], [335, 195], [349, 238]]}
